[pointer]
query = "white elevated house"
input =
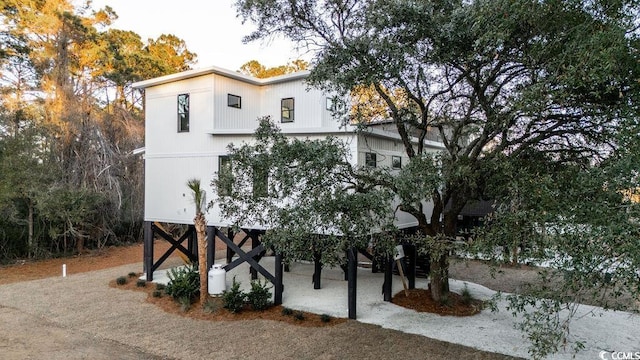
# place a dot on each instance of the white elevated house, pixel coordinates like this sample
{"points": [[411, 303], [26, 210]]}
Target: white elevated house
{"points": [[191, 117]]}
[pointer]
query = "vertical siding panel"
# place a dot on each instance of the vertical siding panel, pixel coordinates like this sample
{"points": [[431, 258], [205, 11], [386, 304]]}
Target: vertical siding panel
{"points": [[383, 148], [232, 118]]}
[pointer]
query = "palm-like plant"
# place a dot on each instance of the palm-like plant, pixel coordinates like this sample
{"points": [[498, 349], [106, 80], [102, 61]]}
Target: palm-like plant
{"points": [[200, 224]]}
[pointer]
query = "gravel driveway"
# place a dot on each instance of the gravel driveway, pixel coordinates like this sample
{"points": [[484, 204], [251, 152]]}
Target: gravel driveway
{"points": [[81, 317]]}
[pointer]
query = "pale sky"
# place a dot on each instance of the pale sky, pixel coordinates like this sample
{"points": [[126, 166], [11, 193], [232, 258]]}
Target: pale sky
{"points": [[209, 28]]}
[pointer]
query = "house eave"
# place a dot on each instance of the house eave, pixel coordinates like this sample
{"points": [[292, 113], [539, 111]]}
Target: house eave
{"points": [[184, 75]]}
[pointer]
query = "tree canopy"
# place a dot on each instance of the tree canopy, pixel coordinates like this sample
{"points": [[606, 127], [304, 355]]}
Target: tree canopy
{"points": [[307, 193], [256, 69], [535, 102], [69, 121]]}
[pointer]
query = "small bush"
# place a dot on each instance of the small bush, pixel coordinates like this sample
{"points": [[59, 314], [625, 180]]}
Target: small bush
{"points": [[212, 306], [299, 315], [466, 297], [445, 301], [325, 318], [132, 274], [286, 311], [141, 283], [259, 297], [184, 282], [233, 299], [160, 287], [156, 293], [185, 303], [121, 280]]}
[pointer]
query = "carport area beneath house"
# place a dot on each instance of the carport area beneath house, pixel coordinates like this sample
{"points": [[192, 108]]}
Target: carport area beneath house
{"points": [[487, 330], [299, 292]]}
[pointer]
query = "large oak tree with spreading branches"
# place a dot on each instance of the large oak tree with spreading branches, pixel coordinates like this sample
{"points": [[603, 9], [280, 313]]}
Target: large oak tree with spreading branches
{"points": [[535, 102]]}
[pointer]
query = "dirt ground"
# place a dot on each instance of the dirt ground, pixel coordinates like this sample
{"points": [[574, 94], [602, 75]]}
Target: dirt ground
{"points": [[45, 316]]}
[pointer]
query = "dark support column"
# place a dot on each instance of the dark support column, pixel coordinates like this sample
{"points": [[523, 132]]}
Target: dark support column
{"points": [[211, 246], [352, 270], [410, 253], [230, 252], [317, 270], [192, 241], [254, 243], [345, 268], [148, 251], [388, 279], [279, 288]]}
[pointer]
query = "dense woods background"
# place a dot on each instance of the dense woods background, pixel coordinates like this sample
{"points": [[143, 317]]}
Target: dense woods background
{"points": [[69, 122]]}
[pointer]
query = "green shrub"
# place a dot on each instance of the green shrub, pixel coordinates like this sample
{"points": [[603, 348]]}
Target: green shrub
{"points": [[121, 280], [160, 287], [286, 311], [325, 318], [446, 301], [211, 306], [259, 297], [299, 315], [466, 297], [233, 299], [156, 293], [132, 274], [141, 283], [184, 282], [185, 303]]}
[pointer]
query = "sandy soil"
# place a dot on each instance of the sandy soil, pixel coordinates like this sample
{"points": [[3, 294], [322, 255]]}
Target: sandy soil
{"points": [[45, 316], [81, 316]]}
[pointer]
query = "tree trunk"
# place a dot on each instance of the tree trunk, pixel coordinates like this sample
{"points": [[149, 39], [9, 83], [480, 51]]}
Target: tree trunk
{"points": [[80, 244], [30, 244], [439, 276], [201, 226], [439, 272]]}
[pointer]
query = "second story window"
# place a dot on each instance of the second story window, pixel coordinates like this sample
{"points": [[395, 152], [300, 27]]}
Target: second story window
{"points": [[370, 159], [329, 104], [396, 162], [234, 101], [183, 113], [225, 175], [286, 107]]}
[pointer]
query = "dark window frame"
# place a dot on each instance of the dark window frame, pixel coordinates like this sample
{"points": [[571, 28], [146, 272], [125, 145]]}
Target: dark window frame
{"points": [[393, 162], [370, 159], [221, 170], [289, 111], [329, 105], [183, 112], [234, 105]]}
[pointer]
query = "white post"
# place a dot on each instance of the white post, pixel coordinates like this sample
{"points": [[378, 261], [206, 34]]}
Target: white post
{"points": [[64, 270]]}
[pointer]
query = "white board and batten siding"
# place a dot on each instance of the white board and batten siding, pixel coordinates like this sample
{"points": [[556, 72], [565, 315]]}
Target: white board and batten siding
{"points": [[231, 118], [264, 99], [385, 149], [173, 157]]}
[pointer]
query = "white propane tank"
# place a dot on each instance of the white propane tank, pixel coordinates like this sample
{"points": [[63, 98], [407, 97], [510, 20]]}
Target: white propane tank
{"points": [[217, 280]]}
